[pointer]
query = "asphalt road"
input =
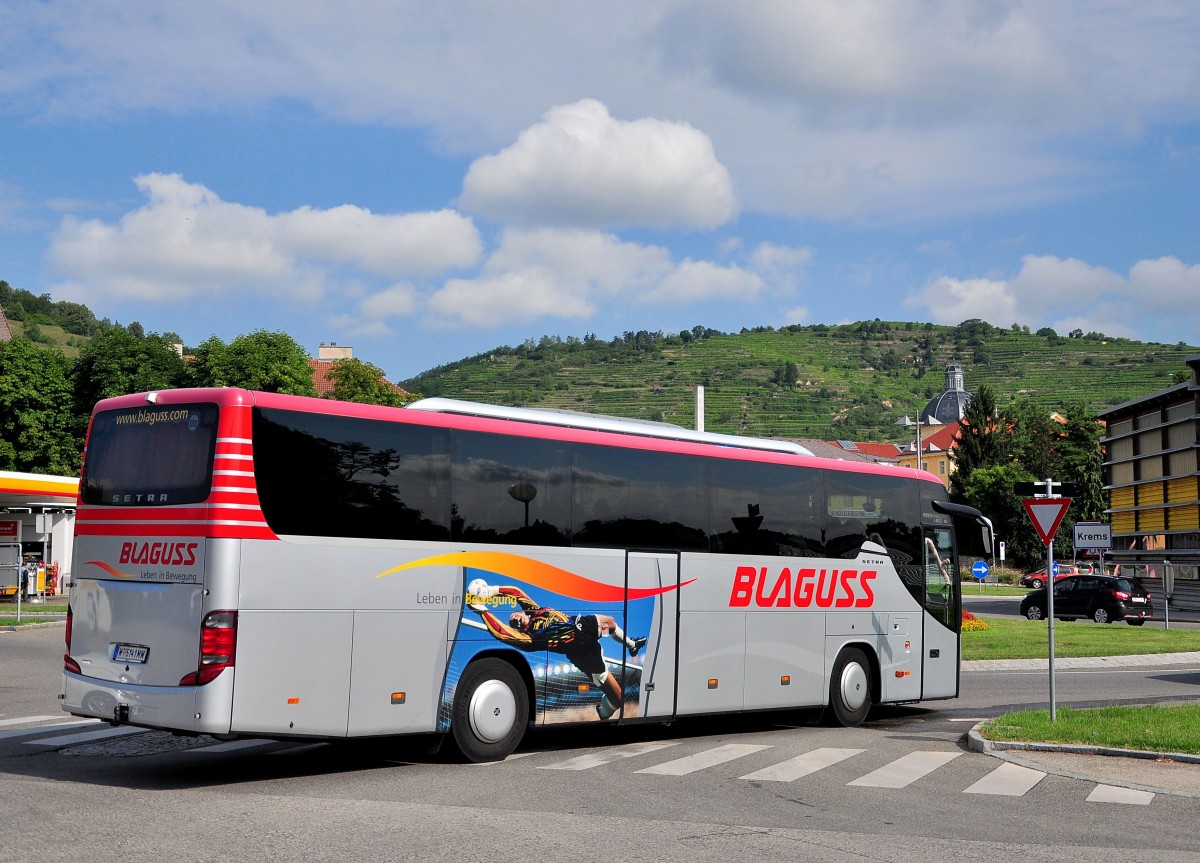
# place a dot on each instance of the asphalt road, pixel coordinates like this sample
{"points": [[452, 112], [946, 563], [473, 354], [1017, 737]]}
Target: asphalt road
{"points": [[903, 787]]}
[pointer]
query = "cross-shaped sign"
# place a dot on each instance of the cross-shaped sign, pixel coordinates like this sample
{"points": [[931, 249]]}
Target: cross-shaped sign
{"points": [[1046, 513]]}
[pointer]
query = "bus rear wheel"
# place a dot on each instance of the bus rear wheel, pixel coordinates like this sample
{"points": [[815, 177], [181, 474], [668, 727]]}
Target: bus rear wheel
{"points": [[850, 687], [491, 710]]}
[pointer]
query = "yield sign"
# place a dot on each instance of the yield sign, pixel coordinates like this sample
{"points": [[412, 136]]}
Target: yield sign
{"points": [[1046, 513]]}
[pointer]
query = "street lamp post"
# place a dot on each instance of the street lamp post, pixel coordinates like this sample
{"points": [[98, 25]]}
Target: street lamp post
{"points": [[905, 421]]}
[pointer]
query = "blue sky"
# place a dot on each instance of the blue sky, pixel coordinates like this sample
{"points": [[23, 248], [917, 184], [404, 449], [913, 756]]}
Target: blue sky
{"points": [[424, 181]]}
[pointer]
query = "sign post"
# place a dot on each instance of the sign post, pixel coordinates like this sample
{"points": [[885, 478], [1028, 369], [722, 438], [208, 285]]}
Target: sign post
{"points": [[980, 570], [1046, 511]]}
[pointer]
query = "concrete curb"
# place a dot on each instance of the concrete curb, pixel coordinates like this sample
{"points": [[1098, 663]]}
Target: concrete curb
{"points": [[40, 625], [1060, 663], [1004, 749]]}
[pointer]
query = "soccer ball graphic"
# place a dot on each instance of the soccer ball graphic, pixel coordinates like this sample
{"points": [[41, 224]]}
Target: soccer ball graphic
{"points": [[478, 587]]}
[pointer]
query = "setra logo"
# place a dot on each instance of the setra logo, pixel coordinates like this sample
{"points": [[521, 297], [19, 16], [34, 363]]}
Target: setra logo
{"points": [[165, 553], [826, 588]]}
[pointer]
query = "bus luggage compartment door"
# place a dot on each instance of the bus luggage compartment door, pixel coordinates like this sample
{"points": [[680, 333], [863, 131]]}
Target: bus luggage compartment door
{"points": [[293, 672]]}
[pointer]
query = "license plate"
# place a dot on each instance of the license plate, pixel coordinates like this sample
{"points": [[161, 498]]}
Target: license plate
{"points": [[1139, 599], [130, 653]]}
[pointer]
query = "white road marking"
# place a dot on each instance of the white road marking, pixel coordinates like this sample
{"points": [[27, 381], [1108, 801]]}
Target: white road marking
{"points": [[802, 765], [1115, 794], [21, 720], [705, 759], [596, 759], [1007, 780], [904, 771], [87, 736]]}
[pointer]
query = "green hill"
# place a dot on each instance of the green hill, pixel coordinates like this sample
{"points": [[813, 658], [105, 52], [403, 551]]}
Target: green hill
{"points": [[850, 381]]}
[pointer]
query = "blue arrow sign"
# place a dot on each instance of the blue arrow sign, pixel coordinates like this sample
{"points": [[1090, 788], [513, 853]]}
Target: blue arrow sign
{"points": [[980, 569]]}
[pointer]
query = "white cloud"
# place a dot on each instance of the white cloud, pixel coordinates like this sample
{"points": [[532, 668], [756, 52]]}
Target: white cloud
{"points": [[836, 108], [581, 167], [395, 301], [513, 296], [797, 315], [1047, 280], [1166, 284], [592, 261], [187, 241], [947, 300], [569, 274], [1068, 294], [780, 266], [413, 244], [696, 281]]}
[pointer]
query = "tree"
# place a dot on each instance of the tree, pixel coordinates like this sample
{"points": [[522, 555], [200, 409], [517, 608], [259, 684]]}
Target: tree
{"points": [[75, 318], [1034, 439], [357, 381], [1083, 462], [990, 490], [268, 361], [38, 431], [117, 361], [982, 440]]}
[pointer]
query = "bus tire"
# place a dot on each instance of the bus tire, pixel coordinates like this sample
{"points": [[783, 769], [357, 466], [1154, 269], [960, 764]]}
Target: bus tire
{"points": [[491, 710], [850, 687]]}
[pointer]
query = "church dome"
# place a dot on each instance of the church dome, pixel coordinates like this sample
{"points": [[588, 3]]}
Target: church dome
{"points": [[951, 404]]}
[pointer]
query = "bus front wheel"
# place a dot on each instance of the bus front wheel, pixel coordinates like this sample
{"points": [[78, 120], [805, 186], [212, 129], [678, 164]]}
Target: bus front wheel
{"points": [[850, 687], [491, 710]]}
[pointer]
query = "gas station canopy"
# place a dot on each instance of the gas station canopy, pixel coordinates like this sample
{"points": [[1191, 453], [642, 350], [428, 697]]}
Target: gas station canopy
{"points": [[34, 492]]}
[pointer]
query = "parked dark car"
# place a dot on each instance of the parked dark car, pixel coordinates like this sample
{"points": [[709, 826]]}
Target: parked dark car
{"points": [[1103, 598], [1038, 579]]}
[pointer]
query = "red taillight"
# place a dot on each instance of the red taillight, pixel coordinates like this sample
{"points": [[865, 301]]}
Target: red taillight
{"points": [[218, 639], [70, 664], [1121, 595]]}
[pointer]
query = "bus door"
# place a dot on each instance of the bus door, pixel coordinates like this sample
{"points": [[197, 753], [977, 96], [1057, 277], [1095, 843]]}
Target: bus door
{"points": [[652, 613], [939, 678]]}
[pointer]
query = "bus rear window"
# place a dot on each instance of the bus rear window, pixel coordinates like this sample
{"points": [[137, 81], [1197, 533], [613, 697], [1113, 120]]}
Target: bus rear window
{"points": [[156, 455]]}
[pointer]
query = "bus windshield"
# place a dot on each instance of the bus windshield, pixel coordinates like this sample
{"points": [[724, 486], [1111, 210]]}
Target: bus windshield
{"points": [[150, 456]]}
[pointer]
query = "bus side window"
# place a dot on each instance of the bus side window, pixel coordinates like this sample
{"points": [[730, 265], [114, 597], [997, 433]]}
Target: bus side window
{"points": [[510, 489], [766, 509]]}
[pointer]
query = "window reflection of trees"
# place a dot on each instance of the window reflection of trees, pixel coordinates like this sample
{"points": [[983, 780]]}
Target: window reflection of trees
{"points": [[511, 490], [767, 509], [636, 499], [336, 476], [323, 478]]}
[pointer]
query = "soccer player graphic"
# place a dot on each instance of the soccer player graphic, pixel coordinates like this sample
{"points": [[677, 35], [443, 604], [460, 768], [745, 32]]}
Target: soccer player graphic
{"points": [[534, 628]]}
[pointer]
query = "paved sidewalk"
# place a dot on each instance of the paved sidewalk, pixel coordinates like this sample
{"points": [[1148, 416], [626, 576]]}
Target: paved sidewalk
{"points": [[1192, 657], [1162, 773]]}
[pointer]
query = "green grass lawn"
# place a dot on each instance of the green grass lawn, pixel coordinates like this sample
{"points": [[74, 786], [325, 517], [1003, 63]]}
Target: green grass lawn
{"points": [[30, 612], [1017, 638], [1149, 728], [974, 588]]}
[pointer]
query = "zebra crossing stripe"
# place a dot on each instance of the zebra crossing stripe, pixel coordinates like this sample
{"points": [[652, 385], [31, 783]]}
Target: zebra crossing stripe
{"points": [[803, 765], [21, 720], [705, 759], [906, 770], [42, 729], [87, 736], [596, 759], [1115, 794], [1007, 780]]}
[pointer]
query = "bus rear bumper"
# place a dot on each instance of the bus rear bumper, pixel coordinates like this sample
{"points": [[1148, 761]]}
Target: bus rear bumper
{"points": [[193, 709]]}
